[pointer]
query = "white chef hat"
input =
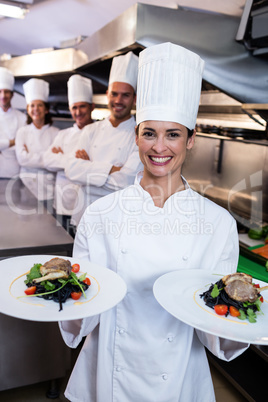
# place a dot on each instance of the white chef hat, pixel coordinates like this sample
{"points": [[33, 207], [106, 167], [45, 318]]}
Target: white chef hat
{"points": [[36, 89], [125, 69], [6, 79], [79, 89], [169, 84]]}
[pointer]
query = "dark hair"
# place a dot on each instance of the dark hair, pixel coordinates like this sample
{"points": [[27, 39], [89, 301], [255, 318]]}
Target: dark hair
{"points": [[48, 117], [190, 132]]}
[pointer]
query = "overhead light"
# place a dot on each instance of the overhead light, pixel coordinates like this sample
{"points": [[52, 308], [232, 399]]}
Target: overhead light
{"points": [[8, 9]]}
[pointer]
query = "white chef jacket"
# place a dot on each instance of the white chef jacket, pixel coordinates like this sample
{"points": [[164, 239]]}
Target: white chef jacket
{"points": [[107, 146], [33, 174], [10, 122], [66, 191], [137, 351]]}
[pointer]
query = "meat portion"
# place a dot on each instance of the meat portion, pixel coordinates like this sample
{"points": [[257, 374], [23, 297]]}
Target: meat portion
{"points": [[54, 269], [240, 276], [239, 287], [242, 291]]}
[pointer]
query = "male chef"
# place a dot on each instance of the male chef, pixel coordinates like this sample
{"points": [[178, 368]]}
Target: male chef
{"points": [[10, 121], [107, 158], [80, 95]]}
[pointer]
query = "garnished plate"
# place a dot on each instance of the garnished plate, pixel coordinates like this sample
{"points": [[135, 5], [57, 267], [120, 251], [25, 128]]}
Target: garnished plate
{"points": [[106, 290], [178, 292]]}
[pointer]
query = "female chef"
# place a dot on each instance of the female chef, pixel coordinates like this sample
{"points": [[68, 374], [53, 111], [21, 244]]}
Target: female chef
{"points": [[34, 139], [137, 351]]}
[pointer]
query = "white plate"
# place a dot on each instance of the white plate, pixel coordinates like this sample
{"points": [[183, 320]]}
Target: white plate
{"points": [[106, 290], [178, 293]]}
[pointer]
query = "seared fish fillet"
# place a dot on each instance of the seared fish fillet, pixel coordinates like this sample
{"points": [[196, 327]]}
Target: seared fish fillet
{"points": [[54, 269]]}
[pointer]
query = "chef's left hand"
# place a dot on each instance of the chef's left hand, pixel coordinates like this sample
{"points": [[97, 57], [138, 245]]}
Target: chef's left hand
{"points": [[57, 150], [82, 154]]}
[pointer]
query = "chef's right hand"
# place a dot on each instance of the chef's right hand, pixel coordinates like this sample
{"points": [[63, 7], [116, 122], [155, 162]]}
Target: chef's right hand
{"points": [[115, 169]]}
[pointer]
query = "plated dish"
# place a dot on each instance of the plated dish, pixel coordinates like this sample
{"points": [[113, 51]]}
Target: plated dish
{"points": [[178, 292], [106, 290]]}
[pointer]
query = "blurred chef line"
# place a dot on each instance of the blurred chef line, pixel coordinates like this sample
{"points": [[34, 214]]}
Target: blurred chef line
{"points": [[66, 170]]}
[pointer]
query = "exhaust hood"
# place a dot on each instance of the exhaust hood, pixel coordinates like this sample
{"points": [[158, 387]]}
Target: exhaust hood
{"points": [[230, 67]]}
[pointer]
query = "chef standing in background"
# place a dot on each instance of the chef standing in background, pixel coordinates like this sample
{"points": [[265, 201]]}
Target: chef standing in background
{"points": [[34, 139], [80, 96], [10, 121], [106, 158]]}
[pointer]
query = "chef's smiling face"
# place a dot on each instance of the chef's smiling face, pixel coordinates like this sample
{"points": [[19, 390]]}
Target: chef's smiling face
{"points": [[5, 99], [162, 147], [37, 110], [81, 113], [121, 98]]}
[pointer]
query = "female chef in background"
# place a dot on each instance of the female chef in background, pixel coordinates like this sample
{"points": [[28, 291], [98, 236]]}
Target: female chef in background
{"points": [[137, 351], [34, 139]]}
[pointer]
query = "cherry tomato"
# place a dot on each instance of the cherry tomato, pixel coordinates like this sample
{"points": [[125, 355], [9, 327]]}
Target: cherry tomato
{"points": [[221, 309], [87, 281], [261, 299], [234, 311], [76, 295], [75, 268], [30, 291]]}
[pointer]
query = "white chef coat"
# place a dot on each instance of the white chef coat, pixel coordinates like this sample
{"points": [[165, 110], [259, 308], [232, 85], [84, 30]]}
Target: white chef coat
{"points": [[107, 146], [33, 174], [66, 191], [137, 351], [10, 122]]}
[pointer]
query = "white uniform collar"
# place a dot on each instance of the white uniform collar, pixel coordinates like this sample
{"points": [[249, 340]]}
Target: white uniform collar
{"points": [[139, 176], [127, 123], [135, 198], [8, 110], [44, 127], [77, 128]]}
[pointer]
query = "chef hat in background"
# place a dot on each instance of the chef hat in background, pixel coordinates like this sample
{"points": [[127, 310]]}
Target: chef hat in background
{"points": [[6, 79], [79, 89], [36, 89], [169, 84], [125, 69]]}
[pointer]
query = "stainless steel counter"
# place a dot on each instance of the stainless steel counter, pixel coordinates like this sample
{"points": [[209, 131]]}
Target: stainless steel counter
{"points": [[30, 352], [26, 226]]}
